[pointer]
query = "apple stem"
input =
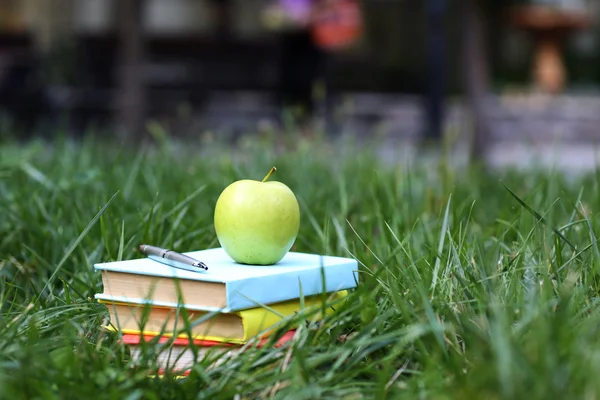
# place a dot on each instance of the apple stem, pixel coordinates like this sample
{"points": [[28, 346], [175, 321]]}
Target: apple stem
{"points": [[273, 169]]}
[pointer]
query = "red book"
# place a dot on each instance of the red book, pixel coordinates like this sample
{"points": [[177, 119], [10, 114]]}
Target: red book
{"points": [[180, 356]]}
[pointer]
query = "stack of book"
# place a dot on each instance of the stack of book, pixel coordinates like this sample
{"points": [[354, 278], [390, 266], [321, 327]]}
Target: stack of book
{"points": [[179, 315]]}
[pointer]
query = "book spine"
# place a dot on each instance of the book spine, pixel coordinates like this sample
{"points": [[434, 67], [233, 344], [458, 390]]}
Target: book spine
{"points": [[250, 293]]}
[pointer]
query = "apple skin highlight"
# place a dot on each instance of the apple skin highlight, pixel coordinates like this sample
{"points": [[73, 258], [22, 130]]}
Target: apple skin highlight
{"points": [[257, 222]]}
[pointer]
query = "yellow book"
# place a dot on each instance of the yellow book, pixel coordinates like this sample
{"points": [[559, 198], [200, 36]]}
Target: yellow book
{"points": [[233, 327]]}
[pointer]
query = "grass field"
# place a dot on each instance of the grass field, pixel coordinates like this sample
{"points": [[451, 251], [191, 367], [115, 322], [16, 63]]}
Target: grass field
{"points": [[467, 290]]}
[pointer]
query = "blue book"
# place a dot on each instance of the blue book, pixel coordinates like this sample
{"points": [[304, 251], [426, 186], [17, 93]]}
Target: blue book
{"points": [[227, 286]]}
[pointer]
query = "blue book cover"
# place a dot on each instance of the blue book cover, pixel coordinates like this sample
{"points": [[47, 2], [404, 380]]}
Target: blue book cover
{"points": [[226, 286]]}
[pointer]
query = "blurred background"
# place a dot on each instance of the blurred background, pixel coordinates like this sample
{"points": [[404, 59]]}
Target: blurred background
{"points": [[481, 71]]}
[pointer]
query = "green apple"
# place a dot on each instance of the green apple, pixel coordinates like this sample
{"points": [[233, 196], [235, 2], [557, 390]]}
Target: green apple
{"points": [[257, 222]]}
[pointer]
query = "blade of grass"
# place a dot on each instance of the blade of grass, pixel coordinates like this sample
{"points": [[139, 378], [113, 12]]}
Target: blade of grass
{"points": [[539, 217], [438, 260], [121, 242], [72, 248]]}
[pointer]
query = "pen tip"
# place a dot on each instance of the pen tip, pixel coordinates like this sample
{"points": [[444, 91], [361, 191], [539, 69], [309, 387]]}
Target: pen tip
{"points": [[202, 265]]}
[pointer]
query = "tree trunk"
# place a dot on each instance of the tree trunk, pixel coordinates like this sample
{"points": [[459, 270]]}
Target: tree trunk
{"points": [[222, 16], [130, 101], [436, 71], [475, 69]]}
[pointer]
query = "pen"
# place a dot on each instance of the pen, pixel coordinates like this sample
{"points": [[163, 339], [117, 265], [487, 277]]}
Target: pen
{"points": [[172, 258]]}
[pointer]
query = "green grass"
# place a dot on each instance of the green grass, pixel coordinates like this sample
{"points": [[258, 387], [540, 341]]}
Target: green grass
{"points": [[468, 289]]}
